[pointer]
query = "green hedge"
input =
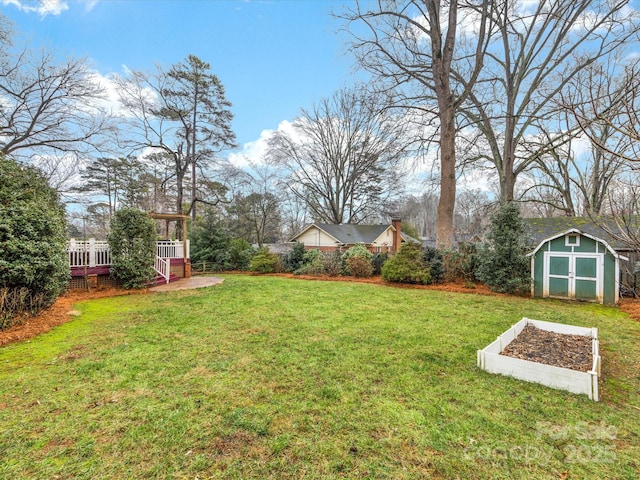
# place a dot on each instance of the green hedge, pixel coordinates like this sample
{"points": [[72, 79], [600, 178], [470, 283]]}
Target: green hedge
{"points": [[132, 241], [407, 266], [34, 267]]}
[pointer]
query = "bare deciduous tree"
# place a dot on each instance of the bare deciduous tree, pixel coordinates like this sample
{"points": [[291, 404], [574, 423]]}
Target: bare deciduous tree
{"points": [[540, 48], [606, 107], [47, 106], [344, 157], [412, 47], [574, 175]]}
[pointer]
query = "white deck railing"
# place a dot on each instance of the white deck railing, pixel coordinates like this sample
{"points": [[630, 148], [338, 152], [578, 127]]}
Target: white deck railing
{"points": [[96, 253], [163, 267], [92, 253], [171, 249]]}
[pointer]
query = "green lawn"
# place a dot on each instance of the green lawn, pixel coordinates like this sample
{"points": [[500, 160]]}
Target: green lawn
{"points": [[266, 377]]}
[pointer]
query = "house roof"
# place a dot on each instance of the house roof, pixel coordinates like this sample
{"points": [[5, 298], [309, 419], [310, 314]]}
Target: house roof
{"points": [[606, 229], [409, 238], [458, 239], [350, 234]]}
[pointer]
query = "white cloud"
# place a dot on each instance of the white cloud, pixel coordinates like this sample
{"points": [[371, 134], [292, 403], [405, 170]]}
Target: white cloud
{"points": [[112, 93], [111, 102], [90, 4], [581, 146], [41, 7], [252, 153]]}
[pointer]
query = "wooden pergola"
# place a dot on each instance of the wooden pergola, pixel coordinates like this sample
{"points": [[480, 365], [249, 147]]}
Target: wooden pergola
{"points": [[171, 217]]}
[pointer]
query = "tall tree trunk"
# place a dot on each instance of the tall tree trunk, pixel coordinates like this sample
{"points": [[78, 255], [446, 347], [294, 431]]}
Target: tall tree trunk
{"points": [[442, 54], [192, 153], [507, 175], [194, 191], [179, 191], [507, 186], [446, 203], [179, 198]]}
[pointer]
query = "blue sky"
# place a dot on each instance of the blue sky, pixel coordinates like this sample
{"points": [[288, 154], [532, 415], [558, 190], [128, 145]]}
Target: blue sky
{"points": [[274, 57]]}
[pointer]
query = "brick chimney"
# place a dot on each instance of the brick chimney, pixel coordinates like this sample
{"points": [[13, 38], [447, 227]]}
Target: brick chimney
{"points": [[397, 239]]}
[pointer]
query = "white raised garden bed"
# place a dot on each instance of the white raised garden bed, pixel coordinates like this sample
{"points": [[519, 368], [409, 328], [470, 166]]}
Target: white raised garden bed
{"points": [[491, 360]]}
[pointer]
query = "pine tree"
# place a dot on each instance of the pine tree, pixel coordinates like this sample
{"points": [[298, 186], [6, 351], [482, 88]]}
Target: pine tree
{"points": [[503, 265]]}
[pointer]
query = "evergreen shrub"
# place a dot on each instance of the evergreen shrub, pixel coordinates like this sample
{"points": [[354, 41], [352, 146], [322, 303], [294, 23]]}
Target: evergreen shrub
{"points": [[295, 258], [132, 241], [211, 245], [358, 268], [433, 258], [460, 264], [265, 262], [379, 259], [312, 263], [407, 266], [332, 262], [240, 254], [34, 266], [502, 262]]}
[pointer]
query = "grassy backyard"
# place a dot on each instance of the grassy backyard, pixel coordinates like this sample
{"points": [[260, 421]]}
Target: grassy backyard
{"points": [[266, 377]]}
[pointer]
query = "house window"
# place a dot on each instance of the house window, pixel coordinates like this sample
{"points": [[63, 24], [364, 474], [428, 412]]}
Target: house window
{"points": [[572, 240]]}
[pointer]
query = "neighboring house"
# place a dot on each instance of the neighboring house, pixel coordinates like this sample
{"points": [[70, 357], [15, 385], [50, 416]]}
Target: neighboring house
{"points": [[577, 258], [377, 238]]}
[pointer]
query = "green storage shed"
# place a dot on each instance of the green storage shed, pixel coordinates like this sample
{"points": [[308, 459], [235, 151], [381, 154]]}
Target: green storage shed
{"points": [[577, 266]]}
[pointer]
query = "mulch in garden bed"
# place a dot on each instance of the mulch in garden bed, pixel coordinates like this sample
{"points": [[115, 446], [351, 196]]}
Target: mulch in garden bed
{"points": [[550, 348]]}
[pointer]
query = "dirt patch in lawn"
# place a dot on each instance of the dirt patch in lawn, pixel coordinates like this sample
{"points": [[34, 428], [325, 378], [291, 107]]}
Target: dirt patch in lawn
{"points": [[551, 348]]}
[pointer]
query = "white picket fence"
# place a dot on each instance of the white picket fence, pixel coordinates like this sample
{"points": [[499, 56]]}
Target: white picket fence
{"points": [[96, 253]]}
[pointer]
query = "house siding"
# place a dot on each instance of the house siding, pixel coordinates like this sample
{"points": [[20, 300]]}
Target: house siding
{"points": [[384, 242], [315, 238]]}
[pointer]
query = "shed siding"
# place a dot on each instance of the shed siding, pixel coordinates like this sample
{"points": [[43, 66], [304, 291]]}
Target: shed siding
{"points": [[558, 245], [609, 279], [587, 246], [538, 274]]}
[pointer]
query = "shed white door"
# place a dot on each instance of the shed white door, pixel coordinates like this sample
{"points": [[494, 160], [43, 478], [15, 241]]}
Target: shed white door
{"points": [[573, 275]]}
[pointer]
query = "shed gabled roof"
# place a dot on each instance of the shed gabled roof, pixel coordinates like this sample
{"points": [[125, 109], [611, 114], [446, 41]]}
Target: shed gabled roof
{"points": [[604, 229], [578, 232]]}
